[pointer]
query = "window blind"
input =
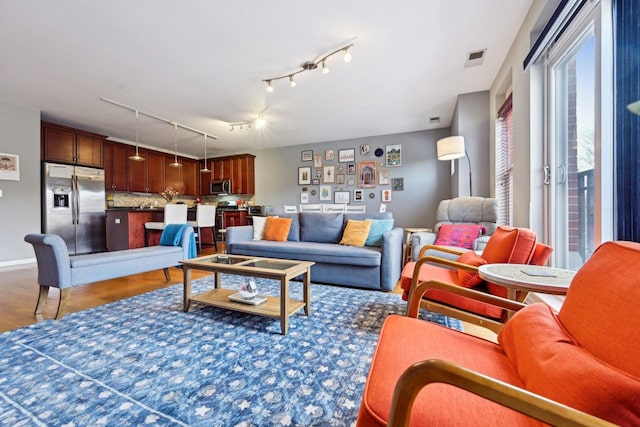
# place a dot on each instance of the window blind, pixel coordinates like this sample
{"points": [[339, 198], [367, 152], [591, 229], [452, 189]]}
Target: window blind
{"points": [[504, 162]]}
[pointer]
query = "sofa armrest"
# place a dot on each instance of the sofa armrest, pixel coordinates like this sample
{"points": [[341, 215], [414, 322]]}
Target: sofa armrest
{"points": [[242, 233], [391, 262], [54, 265], [420, 239], [480, 243], [187, 242], [426, 372]]}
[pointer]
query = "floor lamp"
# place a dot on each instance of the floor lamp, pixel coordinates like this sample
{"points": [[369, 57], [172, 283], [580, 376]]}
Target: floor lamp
{"points": [[452, 148]]}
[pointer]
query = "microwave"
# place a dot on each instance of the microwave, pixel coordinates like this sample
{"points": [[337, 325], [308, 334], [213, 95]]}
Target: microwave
{"points": [[220, 187]]}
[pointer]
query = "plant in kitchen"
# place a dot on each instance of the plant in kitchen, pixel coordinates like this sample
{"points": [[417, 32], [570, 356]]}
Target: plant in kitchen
{"points": [[169, 193]]}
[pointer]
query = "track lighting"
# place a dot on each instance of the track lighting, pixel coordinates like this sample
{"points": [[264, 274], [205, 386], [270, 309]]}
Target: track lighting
{"points": [[176, 163], [259, 122], [137, 157], [205, 169], [311, 65]]}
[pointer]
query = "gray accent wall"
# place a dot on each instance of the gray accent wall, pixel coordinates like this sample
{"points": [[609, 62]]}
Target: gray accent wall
{"points": [[20, 202], [426, 180]]}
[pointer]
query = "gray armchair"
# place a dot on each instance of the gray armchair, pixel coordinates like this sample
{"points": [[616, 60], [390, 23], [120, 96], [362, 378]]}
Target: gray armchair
{"points": [[467, 210]]}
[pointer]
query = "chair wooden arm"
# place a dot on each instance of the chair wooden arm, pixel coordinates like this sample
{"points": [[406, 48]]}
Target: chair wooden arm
{"points": [[441, 249], [430, 371]]}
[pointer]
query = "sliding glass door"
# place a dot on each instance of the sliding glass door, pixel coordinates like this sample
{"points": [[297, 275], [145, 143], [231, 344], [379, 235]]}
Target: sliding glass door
{"points": [[579, 143]]}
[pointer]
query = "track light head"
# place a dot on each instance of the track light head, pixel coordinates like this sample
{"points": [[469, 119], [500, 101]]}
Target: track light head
{"points": [[325, 69], [347, 55], [269, 87], [292, 82]]}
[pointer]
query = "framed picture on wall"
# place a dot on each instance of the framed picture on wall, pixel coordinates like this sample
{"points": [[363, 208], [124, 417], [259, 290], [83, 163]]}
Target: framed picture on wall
{"points": [[304, 175], [386, 195], [315, 181], [325, 192], [397, 184], [367, 174], [357, 195], [307, 155], [328, 154], [317, 160], [351, 168], [341, 197], [348, 155], [365, 150], [340, 178], [383, 177], [393, 155], [328, 175], [10, 167]]}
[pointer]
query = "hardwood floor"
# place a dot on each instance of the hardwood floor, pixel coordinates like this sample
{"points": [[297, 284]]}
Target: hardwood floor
{"points": [[20, 292]]}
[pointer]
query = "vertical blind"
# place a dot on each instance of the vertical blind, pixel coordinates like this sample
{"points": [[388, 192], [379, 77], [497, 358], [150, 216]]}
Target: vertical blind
{"points": [[504, 162]]}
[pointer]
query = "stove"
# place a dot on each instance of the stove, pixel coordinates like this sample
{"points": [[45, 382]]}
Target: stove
{"points": [[229, 205]]}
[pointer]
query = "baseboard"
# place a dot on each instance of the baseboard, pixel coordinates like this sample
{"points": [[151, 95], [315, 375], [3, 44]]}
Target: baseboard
{"points": [[17, 263]]}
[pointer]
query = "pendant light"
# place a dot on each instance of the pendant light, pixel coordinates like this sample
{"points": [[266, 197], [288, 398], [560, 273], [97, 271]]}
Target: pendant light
{"points": [[205, 169], [175, 163], [137, 157]]}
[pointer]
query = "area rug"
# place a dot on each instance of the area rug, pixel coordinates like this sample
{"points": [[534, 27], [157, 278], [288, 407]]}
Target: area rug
{"points": [[142, 361]]}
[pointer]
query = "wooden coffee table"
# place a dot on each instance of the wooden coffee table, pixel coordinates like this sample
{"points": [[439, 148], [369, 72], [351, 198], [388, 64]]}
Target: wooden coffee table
{"points": [[270, 268]]}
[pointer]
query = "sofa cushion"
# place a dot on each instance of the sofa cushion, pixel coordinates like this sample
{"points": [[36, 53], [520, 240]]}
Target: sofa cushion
{"points": [[552, 364], [356, 232], [321, 227], [469, 279], [436, 404], [378, 228], [294, 231], [259, 222], [459, 235], [277, 229], [328, 253]]}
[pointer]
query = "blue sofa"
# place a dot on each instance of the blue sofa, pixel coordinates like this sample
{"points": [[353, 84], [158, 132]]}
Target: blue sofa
{"points": [[56, 268], [316, 236]]}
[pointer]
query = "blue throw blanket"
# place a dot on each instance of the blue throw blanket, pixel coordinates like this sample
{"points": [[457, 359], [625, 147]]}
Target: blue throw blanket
{"points": [[172, 235]]}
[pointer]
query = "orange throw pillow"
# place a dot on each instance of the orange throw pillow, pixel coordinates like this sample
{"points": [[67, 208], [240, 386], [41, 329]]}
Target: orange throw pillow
{"points": [[356, 232], [277, 229], [469, 279]]}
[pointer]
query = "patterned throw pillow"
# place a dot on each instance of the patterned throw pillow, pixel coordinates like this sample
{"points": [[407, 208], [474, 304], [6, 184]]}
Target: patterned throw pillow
{"points": [[459, 235]]}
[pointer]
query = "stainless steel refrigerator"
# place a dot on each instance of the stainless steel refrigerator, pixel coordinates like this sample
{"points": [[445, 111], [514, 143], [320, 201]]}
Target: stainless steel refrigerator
{"points": [[73, 206]]}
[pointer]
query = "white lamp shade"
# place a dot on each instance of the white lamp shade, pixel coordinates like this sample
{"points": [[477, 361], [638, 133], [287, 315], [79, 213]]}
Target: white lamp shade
{"points": [[450, 148]]}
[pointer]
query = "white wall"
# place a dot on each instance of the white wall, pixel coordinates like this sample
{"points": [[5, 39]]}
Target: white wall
{"points": [[20, 202], [426, 180], [527, 121]]}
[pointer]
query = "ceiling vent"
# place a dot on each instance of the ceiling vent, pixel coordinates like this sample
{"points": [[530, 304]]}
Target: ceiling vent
{"points": [[434, 120], [475, 58]]}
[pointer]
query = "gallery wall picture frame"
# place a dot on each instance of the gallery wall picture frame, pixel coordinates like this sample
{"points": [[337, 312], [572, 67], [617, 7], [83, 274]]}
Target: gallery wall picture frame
{"points": [[315, 181], [328, 154], [367, 174], [365, 150], [348, 155], [393, 155], [10, 167], [357, 195], [386, 195], [351, 168], [328, 175], [341, 197], [325, 192], [397, 184], [307, 155], [304, 175], [383, 177], [317, 160], [340, 179], [304, 197], [318, 173]]}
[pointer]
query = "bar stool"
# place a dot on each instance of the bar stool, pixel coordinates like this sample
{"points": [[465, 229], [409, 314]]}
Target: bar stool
{"points": [[205, 218], [173, 214]]}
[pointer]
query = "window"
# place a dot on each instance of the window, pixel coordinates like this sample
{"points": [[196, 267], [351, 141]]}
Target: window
{"points": [[504, 162]]}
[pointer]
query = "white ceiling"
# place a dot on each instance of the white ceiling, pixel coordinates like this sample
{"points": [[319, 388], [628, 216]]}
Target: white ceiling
{"points": [[200, 63]]}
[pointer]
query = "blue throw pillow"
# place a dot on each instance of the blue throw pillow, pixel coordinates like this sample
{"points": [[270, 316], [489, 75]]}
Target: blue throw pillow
{"points": [[377, 229]]}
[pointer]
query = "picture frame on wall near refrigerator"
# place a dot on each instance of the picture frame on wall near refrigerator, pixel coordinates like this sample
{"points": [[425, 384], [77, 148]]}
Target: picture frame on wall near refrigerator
{"points": [[10, 167]]}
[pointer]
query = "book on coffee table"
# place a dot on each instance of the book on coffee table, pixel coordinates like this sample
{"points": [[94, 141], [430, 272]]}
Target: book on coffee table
{"points": [[258, 299]]}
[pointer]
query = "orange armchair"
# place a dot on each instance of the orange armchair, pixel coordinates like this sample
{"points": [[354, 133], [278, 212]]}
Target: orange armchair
{"points": [[577, 367], [506, 245]]}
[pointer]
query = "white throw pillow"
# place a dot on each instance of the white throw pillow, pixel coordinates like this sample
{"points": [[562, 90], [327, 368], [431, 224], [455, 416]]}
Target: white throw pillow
{"points": [[259, 223]]}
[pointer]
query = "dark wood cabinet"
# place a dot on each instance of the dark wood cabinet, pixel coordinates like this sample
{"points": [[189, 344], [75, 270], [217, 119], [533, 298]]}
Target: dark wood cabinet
{"points": [[116, 159], [239, 169], [67, 145], [205, 178], [155, 171], [190, 172], [173, 175]]}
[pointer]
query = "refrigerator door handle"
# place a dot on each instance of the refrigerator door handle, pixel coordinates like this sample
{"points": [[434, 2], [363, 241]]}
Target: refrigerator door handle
{"points": [[74, 203]]}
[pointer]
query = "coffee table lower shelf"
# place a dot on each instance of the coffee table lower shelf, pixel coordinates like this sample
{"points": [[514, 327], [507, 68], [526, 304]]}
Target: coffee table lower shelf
{"points": [[270, 308]]}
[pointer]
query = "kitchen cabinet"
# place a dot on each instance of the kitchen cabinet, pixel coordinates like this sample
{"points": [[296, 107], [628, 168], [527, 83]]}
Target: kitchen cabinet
{"points": [[147, 176], [173, 175], [67, 145], [190, 172], [205, 178], [116, 159], [240, 169], [231, 218], [125, 228]]}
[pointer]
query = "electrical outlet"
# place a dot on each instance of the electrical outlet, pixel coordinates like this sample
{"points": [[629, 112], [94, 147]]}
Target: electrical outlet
{"points": [[117, 220]]}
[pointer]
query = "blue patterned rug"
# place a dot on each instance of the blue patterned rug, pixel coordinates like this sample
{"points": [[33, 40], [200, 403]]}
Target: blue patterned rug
{"points": [[142, 361]]}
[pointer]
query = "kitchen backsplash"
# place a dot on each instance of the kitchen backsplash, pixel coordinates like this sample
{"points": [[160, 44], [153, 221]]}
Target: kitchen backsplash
{"points": [[134, 200]]}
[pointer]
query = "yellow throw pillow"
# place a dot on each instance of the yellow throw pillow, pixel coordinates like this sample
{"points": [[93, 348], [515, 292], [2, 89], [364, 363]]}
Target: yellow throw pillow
{"points": [[277, 229], [356, 232]]}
